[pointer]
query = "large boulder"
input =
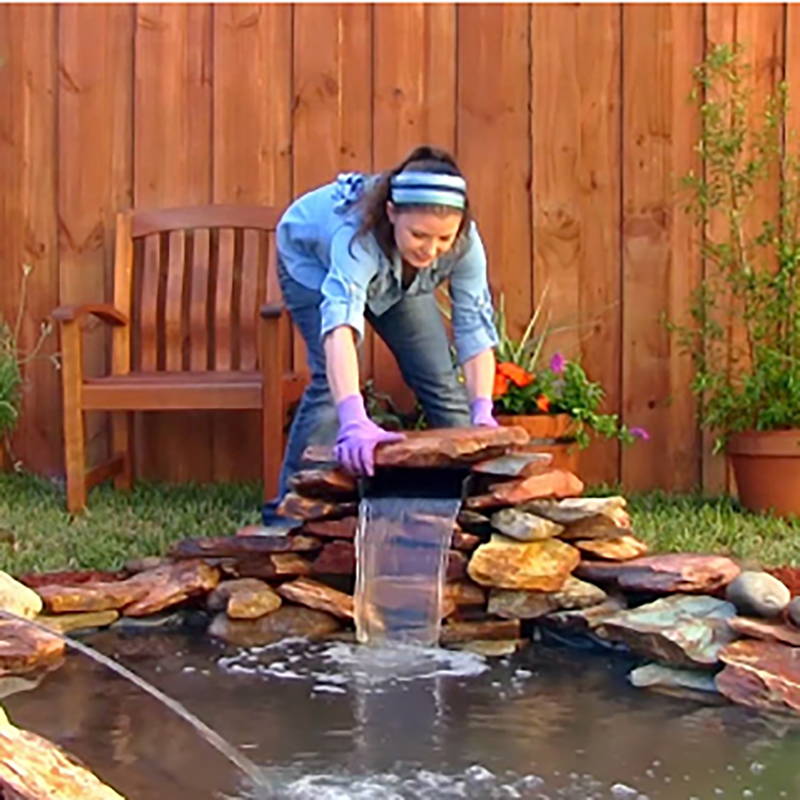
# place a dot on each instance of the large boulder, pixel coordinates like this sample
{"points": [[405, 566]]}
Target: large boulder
{"points": [[508, 564]]}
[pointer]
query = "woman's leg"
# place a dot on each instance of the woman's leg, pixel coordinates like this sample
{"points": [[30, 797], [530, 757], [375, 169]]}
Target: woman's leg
{"points": [[414, 331], [315, 421]]}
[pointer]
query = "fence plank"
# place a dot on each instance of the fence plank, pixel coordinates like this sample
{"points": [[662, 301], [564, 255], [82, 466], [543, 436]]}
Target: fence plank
{"points": [[172, 152], [661, 258], [332, 52], [94, 167], [759, 28], [29, 221], [493, 143], [251, 163], [413, 104], [575, 195]]}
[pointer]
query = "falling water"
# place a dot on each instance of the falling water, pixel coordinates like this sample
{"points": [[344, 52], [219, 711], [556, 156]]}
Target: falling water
{"points": [[211, 736], [402, 545]]}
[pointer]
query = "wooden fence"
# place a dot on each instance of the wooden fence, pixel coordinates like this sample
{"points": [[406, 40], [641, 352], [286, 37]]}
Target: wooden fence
{"points": [[571, 122]]}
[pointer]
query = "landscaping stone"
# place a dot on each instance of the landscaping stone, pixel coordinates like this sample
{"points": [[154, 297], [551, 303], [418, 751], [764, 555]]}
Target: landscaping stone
{"points": [[623, 548], [252, 603], [465, 593], [217, 599], [767, 630], [553, 483], [242, 546], [658, 676], [474, 522], [285, 622], [793, 612], [598, 527], [437, 447], [329, 483], [685, 573], [454, 632], [523, 526], [144, 593], [571, 510], [788, 576], [508, 564], [32, 768], [585, 620], [309, 508], [276, 565], [489, 648], [521, 604], [764, 675], [313, 594], [344, 528], [14, 684], [136, 565], [456, 567], [464, 541], [67, 623], [70, 577], [758, 593], [514, 465], [680, 630], [337, 558], [25, 649], [17, 598]]}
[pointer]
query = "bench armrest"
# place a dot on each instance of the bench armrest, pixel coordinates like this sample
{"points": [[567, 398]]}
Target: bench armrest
{"points": [[104, 311]]}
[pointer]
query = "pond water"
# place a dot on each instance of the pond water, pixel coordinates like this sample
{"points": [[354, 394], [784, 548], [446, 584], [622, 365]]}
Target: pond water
{"points": [[335, 721]]}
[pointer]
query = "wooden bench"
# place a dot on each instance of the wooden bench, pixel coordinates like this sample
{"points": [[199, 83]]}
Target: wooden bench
{"points": [[190, 330]]}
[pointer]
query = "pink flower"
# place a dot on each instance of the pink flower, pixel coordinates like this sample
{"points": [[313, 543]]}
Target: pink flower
{"points": [[557, 363], [640, 433]]}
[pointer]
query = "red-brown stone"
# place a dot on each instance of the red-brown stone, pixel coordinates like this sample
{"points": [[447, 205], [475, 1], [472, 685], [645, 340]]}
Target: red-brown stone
{"points": [[25, 649], [337, 558], [789, 576], [298, 507], [555, 483], [767, 630], [457, 632], [69, 577], [241, 546], [439, 447], [313, 594], [763, 675], [687, 573], [329, 483], [331, 528]]}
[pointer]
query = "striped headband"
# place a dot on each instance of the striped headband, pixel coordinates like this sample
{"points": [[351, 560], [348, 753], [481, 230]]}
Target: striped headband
{"points": [[429, 189]]}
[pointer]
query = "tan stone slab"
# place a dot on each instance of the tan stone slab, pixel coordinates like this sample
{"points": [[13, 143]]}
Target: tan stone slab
{"points": [[168, 586], [455, 632], [556, 483], [66, 623], [344, 528], [276, 565], [524, 604], [287, 621], [253, 602], [311, 593], [465, 593], [623, 548], [24, 648], [437, 447], [327, 483], [514, 465], [309, 508], [766, 630], [32, 768]]}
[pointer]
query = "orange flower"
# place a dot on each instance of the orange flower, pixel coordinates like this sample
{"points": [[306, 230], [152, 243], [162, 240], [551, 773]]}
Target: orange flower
{"points": [[542, 403], [516, 374], [500, 385]]}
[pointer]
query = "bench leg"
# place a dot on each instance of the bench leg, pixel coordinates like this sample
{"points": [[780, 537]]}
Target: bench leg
{"points": [[121, 445], [74, 448]]}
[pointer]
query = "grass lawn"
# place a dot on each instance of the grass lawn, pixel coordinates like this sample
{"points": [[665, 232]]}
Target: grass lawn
{"points": [[36, 533]]}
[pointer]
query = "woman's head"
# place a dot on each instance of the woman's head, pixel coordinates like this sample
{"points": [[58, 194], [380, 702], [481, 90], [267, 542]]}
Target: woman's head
{"points": [[420, 208]]}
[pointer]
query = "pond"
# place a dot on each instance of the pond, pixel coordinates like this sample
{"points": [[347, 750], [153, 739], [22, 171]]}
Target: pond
{"points": [[334, 721]]}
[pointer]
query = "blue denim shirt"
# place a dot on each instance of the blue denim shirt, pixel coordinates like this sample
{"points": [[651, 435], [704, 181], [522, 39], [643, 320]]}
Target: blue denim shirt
{"points": [[316, 245]]}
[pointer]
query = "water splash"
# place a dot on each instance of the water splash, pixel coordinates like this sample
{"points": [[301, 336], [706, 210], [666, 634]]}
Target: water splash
{"points": [[254, 772]]}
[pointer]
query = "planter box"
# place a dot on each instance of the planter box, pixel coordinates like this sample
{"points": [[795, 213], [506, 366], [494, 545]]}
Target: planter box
{"points": [[766, 465]]}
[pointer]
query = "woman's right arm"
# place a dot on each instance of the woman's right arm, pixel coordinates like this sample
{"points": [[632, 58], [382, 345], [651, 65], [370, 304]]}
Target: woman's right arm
{"points": [[341, 361]]}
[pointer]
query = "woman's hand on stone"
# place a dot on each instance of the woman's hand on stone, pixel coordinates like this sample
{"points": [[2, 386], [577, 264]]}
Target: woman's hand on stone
{"points": [[359, 436], [480, 412]]}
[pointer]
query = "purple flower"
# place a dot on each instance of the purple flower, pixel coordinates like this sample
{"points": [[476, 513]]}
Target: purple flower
{"points": [[557, 363], [640, 433]]}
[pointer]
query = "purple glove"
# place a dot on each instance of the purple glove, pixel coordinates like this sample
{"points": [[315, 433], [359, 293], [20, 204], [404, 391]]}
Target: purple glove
{"points": [[480, 412], [358, 437]]}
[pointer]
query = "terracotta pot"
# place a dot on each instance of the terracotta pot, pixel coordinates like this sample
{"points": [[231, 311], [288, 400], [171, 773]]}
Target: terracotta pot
{"points": [[550, 433], [766, 465]]}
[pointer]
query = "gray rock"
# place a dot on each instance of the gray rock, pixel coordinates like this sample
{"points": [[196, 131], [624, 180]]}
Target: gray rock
{"points": [[659, 676], [523, 526], [793, 611], [758, 594]]}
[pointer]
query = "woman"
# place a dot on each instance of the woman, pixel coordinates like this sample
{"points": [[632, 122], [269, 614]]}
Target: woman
{"points": [[374, 248]]}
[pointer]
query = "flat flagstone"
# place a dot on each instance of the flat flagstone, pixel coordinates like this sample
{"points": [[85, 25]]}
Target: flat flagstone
{"points": [[522, 604], [623, 548], [311, 593], [66, 623], [552, 483], [344, 528], [685, 573], [437, 447], [508, 564], [273, 565], [767, 630], [574, 509], [17, 598], [764, 675], [242, 546], [336, 558], [679, 630], [328, 483], [454, 632], [514, 465], [24, 648], [287, 621], [585, 620], [523, 526], [310, 508]]}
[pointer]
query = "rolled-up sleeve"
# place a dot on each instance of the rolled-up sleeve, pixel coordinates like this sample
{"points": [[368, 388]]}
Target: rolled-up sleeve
{"points": [[473, 318], [353, 264]]}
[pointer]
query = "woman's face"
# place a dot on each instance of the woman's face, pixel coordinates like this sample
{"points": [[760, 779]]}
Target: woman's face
{"points": [[422, 236]]}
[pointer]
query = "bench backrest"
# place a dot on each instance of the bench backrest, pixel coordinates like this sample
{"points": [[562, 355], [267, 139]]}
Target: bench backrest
{"points": [[191, 281]]}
